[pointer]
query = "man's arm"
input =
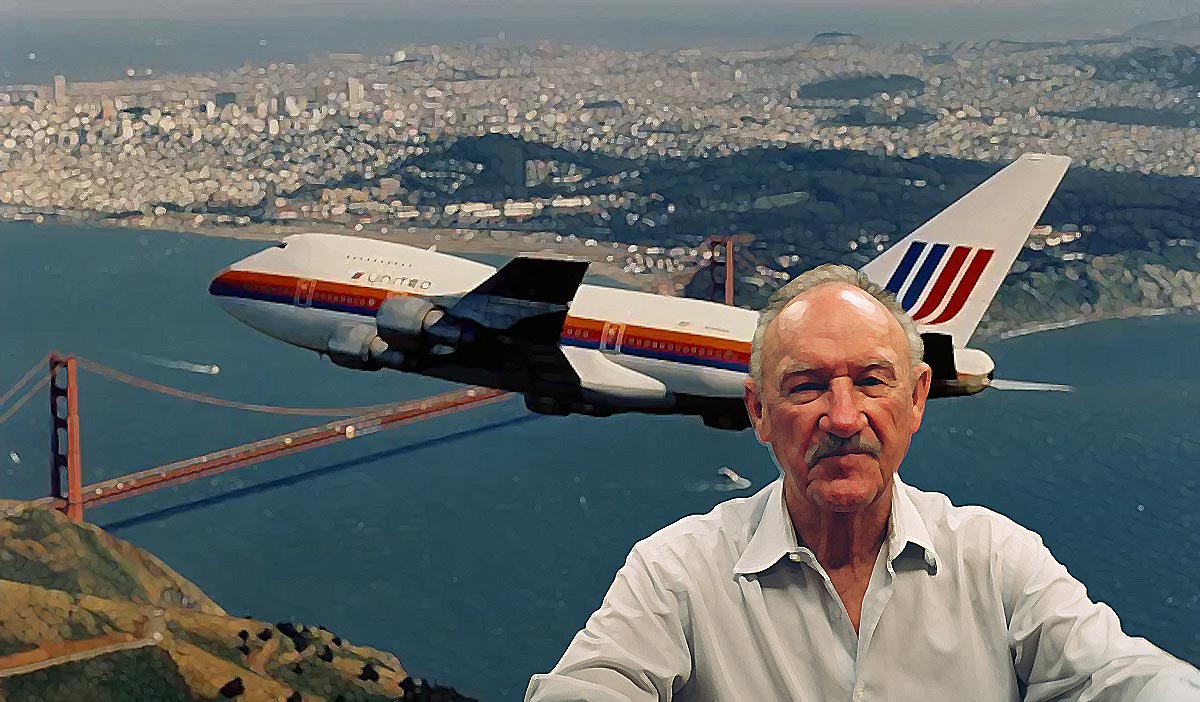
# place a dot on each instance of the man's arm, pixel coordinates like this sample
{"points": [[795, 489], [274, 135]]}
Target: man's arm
{"points": [[633, 649], [1066, 647]]}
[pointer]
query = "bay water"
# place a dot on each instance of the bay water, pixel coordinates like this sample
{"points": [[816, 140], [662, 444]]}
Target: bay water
{"points": [[474, 545]]}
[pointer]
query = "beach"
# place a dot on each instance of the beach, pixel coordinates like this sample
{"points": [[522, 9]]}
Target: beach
{"points": [[489, 242]]}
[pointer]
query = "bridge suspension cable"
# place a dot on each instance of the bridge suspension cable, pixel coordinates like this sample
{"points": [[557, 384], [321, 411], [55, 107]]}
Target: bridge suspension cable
{"points": [[138, 382], [135, 381], [62, 377], [39, 366], [33, 390]]}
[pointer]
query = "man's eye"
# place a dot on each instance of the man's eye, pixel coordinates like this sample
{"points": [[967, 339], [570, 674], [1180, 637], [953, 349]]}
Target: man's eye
{"points": [[874, 386], [807, 387]]}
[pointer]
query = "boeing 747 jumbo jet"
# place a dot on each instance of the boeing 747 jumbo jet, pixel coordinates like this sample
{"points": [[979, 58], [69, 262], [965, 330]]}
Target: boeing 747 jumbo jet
{"points": [[531, 327]]}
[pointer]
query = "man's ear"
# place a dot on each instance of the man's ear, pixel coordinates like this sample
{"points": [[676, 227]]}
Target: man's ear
{"points": [[922, 379], [752, 395]]}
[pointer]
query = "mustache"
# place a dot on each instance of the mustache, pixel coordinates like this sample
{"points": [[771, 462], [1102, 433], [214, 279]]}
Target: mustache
{"points": [[832, 445]]}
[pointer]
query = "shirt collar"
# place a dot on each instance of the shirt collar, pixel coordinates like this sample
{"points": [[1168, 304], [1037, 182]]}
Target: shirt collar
{"points": [[906, 526], [774, 536]]}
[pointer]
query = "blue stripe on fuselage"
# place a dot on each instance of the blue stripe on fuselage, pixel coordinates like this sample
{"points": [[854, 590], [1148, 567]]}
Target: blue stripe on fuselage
{"points": [[660, 355], [221, 289], [227, 290]]}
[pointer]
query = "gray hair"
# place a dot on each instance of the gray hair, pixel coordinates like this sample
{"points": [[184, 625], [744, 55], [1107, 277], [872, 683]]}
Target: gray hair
{"points": [[823, 275]]}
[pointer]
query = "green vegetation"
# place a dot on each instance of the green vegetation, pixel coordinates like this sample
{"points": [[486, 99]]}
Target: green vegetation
{"points": [[860, 87]]}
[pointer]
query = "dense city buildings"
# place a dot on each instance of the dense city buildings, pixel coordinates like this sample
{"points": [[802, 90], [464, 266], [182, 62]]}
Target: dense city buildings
{"points": [[618, 146], [988, 102]]}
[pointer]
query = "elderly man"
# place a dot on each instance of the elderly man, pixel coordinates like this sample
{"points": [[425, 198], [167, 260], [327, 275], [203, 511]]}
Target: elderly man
{"points": [[838, 581]]}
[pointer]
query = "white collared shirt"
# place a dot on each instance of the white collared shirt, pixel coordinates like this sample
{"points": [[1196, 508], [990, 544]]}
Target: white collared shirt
{"points": [[963, 604]]}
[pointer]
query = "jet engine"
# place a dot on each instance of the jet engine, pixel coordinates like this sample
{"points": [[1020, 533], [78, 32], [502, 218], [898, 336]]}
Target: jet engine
{"points": [[358, 346], [414, 324], [405, 329]]}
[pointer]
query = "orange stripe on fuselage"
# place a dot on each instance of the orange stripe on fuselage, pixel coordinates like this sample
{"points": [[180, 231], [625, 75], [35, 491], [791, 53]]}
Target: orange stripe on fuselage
{"points": [[286, 285], [583, 328], [699, 346]]}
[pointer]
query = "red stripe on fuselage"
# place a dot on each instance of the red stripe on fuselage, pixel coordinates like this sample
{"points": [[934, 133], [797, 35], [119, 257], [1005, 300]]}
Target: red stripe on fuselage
{"points": [[651, 340], [323, 290], [368, 299]]}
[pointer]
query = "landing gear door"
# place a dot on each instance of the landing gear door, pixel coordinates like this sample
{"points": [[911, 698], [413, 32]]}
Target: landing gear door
{"points": [[304, 293], [611, 337]]}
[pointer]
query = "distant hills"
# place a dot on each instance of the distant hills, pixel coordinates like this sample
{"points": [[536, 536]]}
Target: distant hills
{"points": [[837, 38], [1184, 30]]}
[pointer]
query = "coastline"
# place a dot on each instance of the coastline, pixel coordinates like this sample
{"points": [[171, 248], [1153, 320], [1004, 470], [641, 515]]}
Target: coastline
{"points": [[447, 240], [497, 242], [1053, 325]]}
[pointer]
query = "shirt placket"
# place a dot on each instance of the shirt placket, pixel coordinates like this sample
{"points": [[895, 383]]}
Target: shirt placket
{"points": [[879, 591], [807, 558], [849, 638]]}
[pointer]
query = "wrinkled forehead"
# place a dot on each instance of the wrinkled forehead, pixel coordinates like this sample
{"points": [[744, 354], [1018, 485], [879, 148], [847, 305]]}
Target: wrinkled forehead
{"points": [[836, 318]]}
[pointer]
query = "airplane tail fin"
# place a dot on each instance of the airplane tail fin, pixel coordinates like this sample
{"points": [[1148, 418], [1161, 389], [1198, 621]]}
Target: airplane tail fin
{"points": [[947, 272]]}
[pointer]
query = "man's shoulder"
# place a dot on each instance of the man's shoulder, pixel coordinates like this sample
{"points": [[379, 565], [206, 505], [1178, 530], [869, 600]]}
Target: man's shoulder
{"points": [[969, 529], [721, 533]]}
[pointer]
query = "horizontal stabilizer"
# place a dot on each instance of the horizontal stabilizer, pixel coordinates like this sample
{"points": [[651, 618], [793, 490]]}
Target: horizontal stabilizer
{"points": [[1029, 385]]}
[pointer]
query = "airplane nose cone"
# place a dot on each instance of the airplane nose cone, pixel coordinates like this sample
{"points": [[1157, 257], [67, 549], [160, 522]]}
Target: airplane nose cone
{"points": [[215, 287], [222, 289]]}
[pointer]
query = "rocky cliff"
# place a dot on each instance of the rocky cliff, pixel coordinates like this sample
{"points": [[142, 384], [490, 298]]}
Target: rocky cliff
{"points": [[87, 617]]}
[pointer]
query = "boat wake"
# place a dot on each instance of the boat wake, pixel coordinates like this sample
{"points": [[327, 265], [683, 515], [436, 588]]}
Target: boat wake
{"points": [[728, 481], [201, 368]]}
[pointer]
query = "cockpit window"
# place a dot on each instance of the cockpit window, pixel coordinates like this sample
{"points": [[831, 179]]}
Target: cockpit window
{"points": [[281, 245]]}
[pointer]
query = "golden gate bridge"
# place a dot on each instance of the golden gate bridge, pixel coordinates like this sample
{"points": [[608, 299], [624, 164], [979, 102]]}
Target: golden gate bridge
{"points": [[60, 372]]}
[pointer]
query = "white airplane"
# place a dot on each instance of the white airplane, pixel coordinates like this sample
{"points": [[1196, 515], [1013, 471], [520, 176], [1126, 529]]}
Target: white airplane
{"points": [[531, 327]]}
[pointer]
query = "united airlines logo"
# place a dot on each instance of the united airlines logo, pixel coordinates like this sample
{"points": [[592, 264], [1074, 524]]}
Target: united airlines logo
{"points": [[953, 272], [394, 282]]}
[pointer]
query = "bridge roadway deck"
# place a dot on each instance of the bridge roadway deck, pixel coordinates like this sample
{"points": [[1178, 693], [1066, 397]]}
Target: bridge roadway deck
{"points": [[258, 451]]}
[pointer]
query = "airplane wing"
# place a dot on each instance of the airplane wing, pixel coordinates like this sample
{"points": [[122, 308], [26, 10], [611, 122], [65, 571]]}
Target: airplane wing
{"points": [[946, 273], [524, 305], [530, 292], [545, 280]]}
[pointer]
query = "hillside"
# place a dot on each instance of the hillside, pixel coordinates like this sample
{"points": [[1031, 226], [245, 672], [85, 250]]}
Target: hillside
{"points": [[1184, 30], [90, 618]]}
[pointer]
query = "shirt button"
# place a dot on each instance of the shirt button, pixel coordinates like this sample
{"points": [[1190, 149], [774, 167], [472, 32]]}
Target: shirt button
{"points": [[795, 557], [858, 691]]}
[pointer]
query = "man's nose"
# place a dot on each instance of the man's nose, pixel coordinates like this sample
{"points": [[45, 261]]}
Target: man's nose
{"points": [[845, 417]]}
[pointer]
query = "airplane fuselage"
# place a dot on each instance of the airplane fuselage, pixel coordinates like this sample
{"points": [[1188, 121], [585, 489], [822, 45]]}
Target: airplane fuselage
{"points": [[633, 350], [531, 327]]}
